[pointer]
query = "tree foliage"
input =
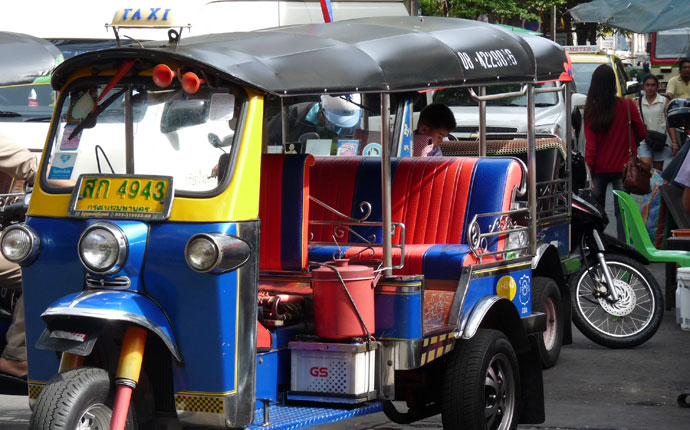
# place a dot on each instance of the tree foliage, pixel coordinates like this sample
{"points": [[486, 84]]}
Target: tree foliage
{"points": [[493, 9]]}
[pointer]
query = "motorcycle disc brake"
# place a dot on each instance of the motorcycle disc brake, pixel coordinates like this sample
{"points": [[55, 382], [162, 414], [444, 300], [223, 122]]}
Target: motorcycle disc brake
{"points": [[627, 300]]}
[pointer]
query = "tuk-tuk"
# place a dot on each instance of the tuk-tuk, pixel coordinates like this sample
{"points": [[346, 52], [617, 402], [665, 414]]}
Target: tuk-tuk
{"points": [[194, 264]]}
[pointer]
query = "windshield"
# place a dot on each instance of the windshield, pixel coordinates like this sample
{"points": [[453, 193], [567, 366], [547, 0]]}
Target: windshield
{"points": [[582, 74], [672, 44], [27, 101], [173, 134], [461, 96]]}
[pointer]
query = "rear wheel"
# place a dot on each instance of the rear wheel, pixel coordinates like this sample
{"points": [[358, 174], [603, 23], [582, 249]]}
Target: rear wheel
{"points": [[77, 399], [547, 299], [481, 384]]}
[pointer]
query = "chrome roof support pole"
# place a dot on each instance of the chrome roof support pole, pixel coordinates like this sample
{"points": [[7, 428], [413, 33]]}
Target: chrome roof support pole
{"points": [[482, 121], [531, 171], [386, 184], [567, 92]]}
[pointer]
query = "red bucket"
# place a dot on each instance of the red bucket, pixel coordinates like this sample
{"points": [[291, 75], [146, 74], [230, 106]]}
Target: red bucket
{"points": [[335, 316]]}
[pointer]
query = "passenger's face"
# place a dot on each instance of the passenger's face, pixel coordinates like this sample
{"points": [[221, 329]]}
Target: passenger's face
{"points": [[437, 134], [685, 71]]}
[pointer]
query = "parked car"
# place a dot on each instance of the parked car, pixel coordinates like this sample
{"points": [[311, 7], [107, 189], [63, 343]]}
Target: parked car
{"points": [[587, 58], [505, 115]]}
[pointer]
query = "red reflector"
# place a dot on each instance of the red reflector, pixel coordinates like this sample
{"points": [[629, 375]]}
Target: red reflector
{"points": [[163, 75]]}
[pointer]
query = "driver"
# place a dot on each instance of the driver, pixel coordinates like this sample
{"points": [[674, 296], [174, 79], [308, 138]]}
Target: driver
{"points": [[21, 164], [329, 117]]}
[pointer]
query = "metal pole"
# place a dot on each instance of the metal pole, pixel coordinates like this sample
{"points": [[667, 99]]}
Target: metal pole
{"points": [[531, 172], [569, 141], [129, 132], [284, 123], [386, 184], [553, 23], [482, 122]]}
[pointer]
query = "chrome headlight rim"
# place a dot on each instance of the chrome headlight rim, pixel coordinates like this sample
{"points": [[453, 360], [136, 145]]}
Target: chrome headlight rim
{"points": [[34, 248], [122, 245]]}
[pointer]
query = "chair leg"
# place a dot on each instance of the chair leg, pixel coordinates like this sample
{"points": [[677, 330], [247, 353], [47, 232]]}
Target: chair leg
{"points": [[670, 286]]}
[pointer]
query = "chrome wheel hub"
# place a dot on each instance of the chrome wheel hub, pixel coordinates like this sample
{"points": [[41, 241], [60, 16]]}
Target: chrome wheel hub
{"points": [[96, 417]]}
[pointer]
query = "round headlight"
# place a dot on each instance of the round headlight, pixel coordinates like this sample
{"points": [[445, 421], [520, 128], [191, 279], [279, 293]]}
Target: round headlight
{"points": [[103, 248], [202, 253], [16, 244]]}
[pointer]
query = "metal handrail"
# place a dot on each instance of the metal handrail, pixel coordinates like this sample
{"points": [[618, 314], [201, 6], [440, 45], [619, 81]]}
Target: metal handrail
{"points": [[486, 98]]}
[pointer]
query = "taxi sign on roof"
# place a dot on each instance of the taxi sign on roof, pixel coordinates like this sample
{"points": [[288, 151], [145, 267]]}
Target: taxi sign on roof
{"points": [[144, 17], [587, 49]]}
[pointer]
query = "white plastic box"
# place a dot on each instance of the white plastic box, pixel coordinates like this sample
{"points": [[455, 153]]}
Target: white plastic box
{"points": [[683, 277], [333, 372]]}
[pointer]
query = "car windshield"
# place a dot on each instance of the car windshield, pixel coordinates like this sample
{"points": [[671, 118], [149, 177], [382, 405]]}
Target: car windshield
{"points": [[174, 134], [27, 101], [461, 96], [582, 74]]}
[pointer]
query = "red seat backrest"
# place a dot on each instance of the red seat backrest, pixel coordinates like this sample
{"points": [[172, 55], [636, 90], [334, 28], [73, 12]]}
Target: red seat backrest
{"points": [[284, 211]]}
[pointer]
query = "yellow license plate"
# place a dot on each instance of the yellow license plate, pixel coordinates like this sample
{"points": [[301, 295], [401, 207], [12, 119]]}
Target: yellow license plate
{"points": [[118, 196]]}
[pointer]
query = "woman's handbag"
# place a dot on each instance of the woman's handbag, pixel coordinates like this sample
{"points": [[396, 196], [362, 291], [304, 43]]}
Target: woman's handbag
{"points": [[656, 141], [636, 174]]}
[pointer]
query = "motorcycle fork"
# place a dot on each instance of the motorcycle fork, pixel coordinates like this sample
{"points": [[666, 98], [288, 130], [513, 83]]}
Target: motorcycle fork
{"points": [[127, 376], [604, 265]]}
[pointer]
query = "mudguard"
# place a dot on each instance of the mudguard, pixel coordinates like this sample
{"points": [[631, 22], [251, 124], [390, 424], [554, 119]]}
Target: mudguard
{"points": [[108, 305]]}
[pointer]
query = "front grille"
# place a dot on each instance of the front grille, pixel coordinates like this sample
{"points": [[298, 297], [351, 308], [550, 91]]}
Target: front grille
{"points": [[119, 283]]}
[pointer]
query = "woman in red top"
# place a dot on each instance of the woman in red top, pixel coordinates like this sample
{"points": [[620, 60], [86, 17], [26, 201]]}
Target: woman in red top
{"points": [[607, 146]]}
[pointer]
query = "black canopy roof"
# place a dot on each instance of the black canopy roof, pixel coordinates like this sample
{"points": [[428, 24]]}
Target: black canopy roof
{"points": [[366, 55], [25, 58], [550, 57]]}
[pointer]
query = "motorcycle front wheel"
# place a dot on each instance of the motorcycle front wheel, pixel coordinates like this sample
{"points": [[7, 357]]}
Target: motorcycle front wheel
{"points": [[630, 321]]}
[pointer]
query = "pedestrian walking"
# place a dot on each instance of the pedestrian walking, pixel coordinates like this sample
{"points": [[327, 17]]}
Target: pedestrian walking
{"points": [[607, 146], [653, 111]]}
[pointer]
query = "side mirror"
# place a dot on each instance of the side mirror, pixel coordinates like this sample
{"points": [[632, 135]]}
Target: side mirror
{"points": [[578, 100], [632, 87]]}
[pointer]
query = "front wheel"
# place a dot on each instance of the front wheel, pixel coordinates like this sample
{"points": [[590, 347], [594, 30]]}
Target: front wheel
{"points": [[630, 321], [77, 399], [481, 384]]}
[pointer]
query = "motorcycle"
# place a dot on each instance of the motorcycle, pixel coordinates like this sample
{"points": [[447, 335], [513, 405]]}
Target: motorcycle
{"points": [[617, 302], [12, 210]]}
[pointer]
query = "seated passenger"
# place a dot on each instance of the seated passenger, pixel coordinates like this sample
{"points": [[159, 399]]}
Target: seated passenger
{"points": [[332, 116], [435, 123]]}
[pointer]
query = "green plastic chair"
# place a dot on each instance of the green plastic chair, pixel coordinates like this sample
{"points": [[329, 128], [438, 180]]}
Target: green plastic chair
{"points": [[633, 225]]}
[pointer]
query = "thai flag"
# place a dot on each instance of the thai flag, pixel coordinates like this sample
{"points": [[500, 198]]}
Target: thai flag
{"points": [[326, 10]]}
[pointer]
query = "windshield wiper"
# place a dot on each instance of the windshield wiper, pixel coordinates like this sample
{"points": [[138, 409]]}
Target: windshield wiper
{"points": [[90, 119], [5, 114], [38, 119]]}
